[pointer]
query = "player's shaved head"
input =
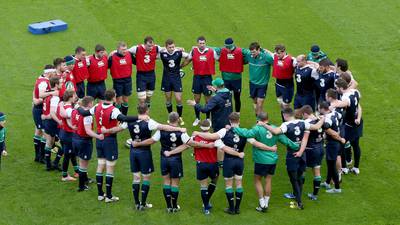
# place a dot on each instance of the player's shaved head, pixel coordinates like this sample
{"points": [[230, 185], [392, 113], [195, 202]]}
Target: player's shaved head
{"points": [[341, 83], [234, 117], [54, 81], [205, 123], [346, 76], [173, 117], [99, 48], [263, 116], [121, 44], [109, 95], [79, 50], [280, 48], [68, 94], [301, 58], [324, 105], [86, 101], [288, 112], [169, 42], [57, 61], [325, 63], [142, 108], [332, 93], [201, 38]]}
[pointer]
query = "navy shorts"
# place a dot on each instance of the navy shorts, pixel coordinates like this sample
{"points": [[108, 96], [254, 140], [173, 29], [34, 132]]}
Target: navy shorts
{"points": [[233, 85], [332, 149], [145, 81], [66, 141], [37, 111], [2, 147], [295, 163], [107, 148], [264, 169], [258, 91], [285, 92], [351, 133], [123, 86], [232, 166], [302, 100], [206, 170], [83, 146], [80, 92], [96, 89], [50, 127], [314, 155], [200, 83], [171, 165], [141, 161], [171, 83]]}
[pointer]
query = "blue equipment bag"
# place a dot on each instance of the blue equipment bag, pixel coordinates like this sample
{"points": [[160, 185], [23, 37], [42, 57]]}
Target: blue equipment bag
{"points": [[47, 27]]}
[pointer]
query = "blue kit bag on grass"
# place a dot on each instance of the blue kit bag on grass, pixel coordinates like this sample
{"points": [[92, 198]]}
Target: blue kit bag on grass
{"points": [[47, 27]]}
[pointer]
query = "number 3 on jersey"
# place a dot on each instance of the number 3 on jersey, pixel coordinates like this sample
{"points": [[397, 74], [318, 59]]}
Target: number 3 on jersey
{"points": [[172, 137], [171, 63], [146, 58]]}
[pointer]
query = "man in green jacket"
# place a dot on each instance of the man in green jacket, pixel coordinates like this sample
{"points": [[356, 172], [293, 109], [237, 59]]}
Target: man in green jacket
{"points": [[264, 160]]}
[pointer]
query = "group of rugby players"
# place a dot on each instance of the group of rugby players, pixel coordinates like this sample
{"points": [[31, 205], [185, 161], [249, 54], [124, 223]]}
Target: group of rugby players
{"points": [[326, 119]]}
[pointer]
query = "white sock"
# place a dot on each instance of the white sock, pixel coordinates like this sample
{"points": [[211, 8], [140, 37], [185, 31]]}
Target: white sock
{"points": [[262, 202], [266, 200]]}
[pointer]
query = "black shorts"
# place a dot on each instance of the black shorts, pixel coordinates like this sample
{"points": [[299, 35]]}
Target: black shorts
{"points": [[264, 170], [37, 111], [141, 161], [200, 83], [80, 92], [258, 91], [302, 100], [96, 89], [50, 127], [2, 147], [83, 146], [234, 85], [332, 149], [171, 83], [206, 170], [295, 163], [314, 155], [351, 133], [286, 92], [107, 148], [171, 165], [123, 86], [232, 166], [145, 81]]}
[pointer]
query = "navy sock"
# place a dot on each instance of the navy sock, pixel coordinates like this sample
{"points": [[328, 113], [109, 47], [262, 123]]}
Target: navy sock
{"points": [[169, 107], [47, 157], [36, 145], [239, 196], [145, 191], [179, 109], [124, 108], [99, 180], [174, 196], [210, 190], [197, 113], [65, 164], [109, 182], [204, 196], [230, 198], [167, 195], [135, 191]]}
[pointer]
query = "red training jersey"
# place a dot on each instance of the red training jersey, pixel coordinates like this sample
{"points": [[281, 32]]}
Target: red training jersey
{"points": [[283, 69], [203, 62], [146, 61], [121, 66], [231, 61], [38, 81], [103, 117], [67, 84], [97, 69], [80, 70], [65, 125], [46, 105], [207, 155], [77, 120]]}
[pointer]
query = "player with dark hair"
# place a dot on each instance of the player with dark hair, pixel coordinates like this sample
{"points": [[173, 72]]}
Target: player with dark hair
{"points": [[80, 70], [120, 64], [171, 81], [203, 59], [333, 141], [298, 131], [343, 67], [324, 78], [61, 67], [97, 68], [316, 55], [146, 55], [350, 100]]}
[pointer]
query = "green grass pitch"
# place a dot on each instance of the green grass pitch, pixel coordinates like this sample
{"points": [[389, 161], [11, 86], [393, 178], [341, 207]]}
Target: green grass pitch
{"points": [[366, 33]]}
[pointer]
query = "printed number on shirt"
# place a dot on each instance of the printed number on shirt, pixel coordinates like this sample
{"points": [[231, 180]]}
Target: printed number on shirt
{"points": [[269, 135], [172, 137], [298, 78], [322, 82], [236, 138], [297, 131], [171, 63], [146, 58], [136, 129]]}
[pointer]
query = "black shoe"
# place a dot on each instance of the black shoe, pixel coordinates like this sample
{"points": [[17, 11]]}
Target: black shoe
{"points": [[237, 211], [57, 167], [229, 211], [89, 181], [84, 188]]}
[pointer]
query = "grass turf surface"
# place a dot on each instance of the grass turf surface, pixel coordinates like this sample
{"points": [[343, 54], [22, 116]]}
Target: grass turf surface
{"points": [[364, 32]]}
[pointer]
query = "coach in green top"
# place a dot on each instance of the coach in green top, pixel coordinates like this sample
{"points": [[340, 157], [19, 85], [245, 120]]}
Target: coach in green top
{"points": [[316, 55], [264, 161], [259, 72], [3, 151]]}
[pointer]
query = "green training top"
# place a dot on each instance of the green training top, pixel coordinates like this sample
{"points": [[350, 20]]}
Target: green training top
{"points": [[2, 134], [228, 75], [264, 136], [259, 67], [321, 56]]}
